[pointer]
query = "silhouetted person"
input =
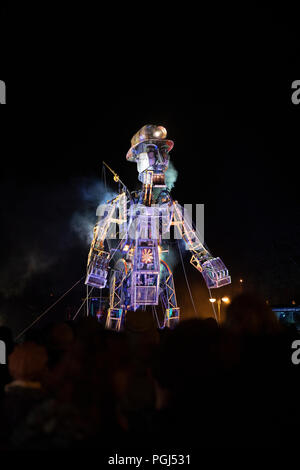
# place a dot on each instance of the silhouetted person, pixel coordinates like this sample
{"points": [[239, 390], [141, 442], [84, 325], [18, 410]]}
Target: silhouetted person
{"points": [[83, 387], [248, 314], [188, 377], [27, 365], [261, 374], [58, 340], [7, 338]]}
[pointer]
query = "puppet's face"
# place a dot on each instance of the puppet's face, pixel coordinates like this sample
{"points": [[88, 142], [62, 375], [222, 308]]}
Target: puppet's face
{"points": [[152, 157], [150, 150]]}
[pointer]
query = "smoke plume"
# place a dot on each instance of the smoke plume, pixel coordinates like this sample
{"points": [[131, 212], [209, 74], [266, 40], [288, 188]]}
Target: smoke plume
{"points": [[171, 176]]}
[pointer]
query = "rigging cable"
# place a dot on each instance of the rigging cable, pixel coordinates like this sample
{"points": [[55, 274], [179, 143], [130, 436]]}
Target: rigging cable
{"points": [[213, 306], [48, 309], [157, 319], [186, 279], [85, 300]]}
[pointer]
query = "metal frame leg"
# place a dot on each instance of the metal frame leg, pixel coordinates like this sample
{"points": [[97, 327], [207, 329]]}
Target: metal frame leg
{"points": [[115, 319]]}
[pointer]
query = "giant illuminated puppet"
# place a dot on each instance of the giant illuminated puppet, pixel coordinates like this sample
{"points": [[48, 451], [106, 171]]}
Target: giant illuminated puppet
{"points": [[140, 221]]}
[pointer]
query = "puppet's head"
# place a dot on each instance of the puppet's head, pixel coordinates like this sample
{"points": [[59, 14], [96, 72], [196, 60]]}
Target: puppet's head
{"points": [[150, 150]]}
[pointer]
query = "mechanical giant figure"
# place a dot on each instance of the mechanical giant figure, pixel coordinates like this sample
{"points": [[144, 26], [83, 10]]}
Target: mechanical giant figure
{"points": [[140, 276]]}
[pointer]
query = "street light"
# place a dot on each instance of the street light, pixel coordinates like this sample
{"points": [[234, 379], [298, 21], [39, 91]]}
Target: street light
{"points": [[219, 301]]}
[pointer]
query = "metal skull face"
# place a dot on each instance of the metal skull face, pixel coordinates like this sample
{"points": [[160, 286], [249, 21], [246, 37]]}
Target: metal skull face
{"points": [[150, 150], [150, 156]]}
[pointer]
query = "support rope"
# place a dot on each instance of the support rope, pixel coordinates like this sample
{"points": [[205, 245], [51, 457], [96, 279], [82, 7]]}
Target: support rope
{"points": [[186, 279], [213, 306], [47, 310], [84, 301]]}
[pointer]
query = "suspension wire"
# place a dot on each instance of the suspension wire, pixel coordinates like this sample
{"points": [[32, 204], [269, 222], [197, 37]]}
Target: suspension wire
{"points": [[104, 175], [185, 275], [79, 310], [100, 301], [154, 313], [207, 249], [186, 279], [163, 308], [84, 301], [118, 246], [125, 234], [157, 319], [213, 306], [105, 185], [87, 300], [47, 310], [90, 301]]}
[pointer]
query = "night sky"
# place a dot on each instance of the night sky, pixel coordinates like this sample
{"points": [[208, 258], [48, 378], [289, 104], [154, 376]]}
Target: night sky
{"points": [[236, 134]]}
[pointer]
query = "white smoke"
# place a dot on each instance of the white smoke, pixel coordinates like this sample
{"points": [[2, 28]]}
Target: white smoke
{"points": [[93, 194], [82, 224], [41, 247], [170, 257], [171, 176]]}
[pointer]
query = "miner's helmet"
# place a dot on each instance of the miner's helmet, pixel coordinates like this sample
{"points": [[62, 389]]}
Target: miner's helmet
{"points": [[148, 134]]}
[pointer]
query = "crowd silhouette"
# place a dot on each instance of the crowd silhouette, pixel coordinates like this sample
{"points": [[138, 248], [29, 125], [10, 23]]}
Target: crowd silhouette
{"points": [[75, 385]]}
